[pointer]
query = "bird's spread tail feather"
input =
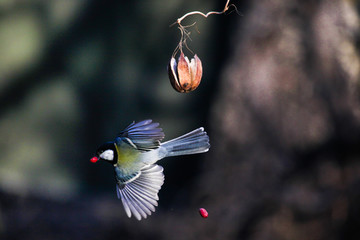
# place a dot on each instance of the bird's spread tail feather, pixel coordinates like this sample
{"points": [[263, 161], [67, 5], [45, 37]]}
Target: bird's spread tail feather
{"points": [[193, 142]]}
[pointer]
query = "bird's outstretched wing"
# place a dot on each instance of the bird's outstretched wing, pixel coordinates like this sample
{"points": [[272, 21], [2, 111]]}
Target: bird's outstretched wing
{"points": [[139, 192], [145, 135]]}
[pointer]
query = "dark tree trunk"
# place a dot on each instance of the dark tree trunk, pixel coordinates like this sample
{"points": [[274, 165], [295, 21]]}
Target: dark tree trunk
{"points": [[285, 127]]}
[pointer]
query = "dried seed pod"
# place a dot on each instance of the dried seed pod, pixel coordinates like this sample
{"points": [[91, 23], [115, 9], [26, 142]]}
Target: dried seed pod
{"points": [[185, 75]]}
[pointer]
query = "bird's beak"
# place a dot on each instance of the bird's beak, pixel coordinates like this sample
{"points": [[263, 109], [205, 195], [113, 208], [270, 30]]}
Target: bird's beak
{"points": [[94, 159]]}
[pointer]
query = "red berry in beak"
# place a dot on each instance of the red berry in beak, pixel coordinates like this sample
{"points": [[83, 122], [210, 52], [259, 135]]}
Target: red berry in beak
{"points": [[203, 212], [94, 159]]}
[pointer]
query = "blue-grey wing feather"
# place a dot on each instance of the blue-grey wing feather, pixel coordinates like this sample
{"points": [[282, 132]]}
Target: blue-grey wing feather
{"points": [[139, 191], [145, 135]]}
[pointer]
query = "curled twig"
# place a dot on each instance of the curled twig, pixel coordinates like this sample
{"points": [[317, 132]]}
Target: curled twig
{"points": [[185, 34], [227, 6]]}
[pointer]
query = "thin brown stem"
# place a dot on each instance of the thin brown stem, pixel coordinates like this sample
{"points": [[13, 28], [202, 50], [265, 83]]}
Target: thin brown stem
{"points": [[178, 21], [185, 34]]}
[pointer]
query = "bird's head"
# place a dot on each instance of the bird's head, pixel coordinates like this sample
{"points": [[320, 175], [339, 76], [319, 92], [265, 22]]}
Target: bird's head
{"points": [[106, 152]]}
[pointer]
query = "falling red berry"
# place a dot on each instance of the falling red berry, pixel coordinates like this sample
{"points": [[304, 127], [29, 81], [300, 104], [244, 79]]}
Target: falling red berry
{"points": [[94, 159], [203, 212]]}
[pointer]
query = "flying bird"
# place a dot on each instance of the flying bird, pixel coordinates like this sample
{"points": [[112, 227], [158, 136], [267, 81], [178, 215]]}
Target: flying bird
{"points": [[134, 154]]}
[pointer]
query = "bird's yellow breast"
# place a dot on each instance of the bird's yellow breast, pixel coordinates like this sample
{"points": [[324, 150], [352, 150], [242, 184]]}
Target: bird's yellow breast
{"points": [[127, 157]]}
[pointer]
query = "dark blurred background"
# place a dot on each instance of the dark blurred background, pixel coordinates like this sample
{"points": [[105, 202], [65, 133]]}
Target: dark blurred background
{"points": [[279, 98]]}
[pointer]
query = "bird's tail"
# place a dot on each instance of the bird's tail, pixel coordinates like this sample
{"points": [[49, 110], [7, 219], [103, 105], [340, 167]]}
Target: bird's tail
{"points": [[193, 142]]}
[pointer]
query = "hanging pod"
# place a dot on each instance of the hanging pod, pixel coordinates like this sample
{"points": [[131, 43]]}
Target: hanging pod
{"points": [[185, 75]]}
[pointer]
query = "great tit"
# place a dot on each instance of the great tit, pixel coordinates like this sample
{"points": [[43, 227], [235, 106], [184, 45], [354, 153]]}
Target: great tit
{"points": [[134, 154]]}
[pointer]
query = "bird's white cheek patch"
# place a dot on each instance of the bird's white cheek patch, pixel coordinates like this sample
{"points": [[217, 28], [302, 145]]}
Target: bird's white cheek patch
{"points": [[107, 155]]}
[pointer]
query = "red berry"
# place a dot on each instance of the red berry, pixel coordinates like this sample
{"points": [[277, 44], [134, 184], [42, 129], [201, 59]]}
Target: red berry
{"points": [[94, 159], [203, 212]]}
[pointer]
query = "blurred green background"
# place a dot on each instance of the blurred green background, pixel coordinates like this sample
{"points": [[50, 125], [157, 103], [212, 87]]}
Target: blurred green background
{"points": [[279, 98], [75, 73]]}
